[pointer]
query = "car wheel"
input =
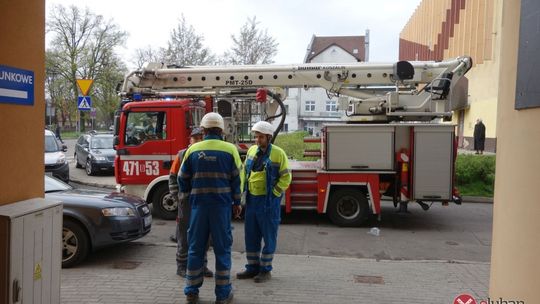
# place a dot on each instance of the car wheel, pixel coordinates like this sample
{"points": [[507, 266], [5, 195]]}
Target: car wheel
{"points": [[77, 165], [163, 205], [89, 169], [75, 243], [348, 207]]}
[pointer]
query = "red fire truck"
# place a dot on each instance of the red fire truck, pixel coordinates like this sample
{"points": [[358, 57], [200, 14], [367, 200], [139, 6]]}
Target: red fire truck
{"points": [[395, 142]]}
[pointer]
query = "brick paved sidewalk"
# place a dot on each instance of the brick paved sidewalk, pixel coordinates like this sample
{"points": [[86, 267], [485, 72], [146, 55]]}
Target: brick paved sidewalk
{"points": [[106, 278]]}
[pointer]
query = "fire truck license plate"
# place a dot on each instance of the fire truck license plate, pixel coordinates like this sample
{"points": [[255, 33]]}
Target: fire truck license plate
{"points": [[137, 168]]}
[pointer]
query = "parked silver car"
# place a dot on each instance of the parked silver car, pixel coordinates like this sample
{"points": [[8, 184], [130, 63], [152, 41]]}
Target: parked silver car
{"points": [[55, 160]]}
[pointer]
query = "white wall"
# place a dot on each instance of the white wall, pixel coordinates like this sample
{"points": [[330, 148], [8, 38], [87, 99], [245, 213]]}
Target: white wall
{"points": [[293, 103], [334, 54], [315, 120]]}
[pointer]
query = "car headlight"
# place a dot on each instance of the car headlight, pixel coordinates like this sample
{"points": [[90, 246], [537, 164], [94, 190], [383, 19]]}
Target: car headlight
{"points": [[145, 210], [118, 212], [61, 159], [100, 158]]}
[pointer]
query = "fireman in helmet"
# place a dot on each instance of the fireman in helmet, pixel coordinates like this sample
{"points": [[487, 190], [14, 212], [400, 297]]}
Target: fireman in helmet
{"points": [[211, 177], [184, 209], [268, 176]]}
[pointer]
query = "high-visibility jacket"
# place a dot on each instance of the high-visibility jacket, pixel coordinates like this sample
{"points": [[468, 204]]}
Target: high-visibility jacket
{"points": [[173, 174], [274, 176], [211, 173]]}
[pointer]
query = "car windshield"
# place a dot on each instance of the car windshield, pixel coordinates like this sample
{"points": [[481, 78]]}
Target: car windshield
{"points": [[51, 145], [102, 142], [54, 185]]}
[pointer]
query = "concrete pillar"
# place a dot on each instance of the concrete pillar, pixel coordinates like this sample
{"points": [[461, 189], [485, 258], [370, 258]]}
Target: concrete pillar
{"points": [[22, 41], [515, 261]]}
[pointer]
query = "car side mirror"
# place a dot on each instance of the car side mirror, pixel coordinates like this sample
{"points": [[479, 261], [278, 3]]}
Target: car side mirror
{"points": [[64, 148]]}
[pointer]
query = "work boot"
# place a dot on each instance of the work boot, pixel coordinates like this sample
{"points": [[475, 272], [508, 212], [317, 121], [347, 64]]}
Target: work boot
{"points": [[208, 273], [192, 298], [262, 277], [228, 300], [181, 271], [246, 274]]}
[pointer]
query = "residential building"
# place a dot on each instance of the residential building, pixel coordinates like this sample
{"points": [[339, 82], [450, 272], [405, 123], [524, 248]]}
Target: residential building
{"points": [[316, 107]]}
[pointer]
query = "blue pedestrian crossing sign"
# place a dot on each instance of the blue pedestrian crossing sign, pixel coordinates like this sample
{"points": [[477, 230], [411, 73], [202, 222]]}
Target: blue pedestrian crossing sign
{"points": [[84, 103]]}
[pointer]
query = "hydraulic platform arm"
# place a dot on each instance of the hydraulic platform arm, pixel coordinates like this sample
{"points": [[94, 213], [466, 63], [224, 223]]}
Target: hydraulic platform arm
{"points": [[377, 91]]}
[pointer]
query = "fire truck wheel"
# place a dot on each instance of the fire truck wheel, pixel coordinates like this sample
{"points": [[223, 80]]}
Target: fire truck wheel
{"points": [[348, 207], [163, 205]]}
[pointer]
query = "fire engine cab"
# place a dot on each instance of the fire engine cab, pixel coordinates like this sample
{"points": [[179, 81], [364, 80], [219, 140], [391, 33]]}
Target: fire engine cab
{"points": [[395, 142]]}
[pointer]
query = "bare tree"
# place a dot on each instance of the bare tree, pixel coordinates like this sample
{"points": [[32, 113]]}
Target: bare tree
{"points": [[82, 47], [185, 47], [105, 93], [252, 45], [148, 54]]}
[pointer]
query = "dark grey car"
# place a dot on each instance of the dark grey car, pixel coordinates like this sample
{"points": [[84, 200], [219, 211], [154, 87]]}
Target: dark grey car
{"points": [[94, 152], [95, 219]]}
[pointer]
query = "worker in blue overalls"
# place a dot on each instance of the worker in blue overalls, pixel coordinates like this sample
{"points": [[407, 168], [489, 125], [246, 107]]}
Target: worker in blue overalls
{"points": [[268, 177], [210, 176]]}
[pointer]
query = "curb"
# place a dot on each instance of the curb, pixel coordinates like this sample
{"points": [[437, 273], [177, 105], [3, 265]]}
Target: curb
{"points": [[113, 187], [465, 199], [477, 199]]}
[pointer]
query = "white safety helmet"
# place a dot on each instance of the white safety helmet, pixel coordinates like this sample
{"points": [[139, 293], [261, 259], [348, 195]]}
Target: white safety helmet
{"points": [[212, 120], [263, 127]]}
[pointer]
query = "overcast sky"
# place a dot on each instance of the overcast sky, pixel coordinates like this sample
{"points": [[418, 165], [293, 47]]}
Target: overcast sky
{"points": [[291, 22]]}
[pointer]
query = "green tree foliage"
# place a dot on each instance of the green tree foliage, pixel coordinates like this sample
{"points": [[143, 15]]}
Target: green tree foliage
{"points": [[82, 47], [252, 45]]}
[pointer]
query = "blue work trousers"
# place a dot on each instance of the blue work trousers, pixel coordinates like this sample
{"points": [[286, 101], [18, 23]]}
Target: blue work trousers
{"points": [[208, 221], [182, 245], [262, 219]]}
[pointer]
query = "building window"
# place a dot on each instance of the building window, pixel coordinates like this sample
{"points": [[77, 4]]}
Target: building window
{"points": [[310, 106], [286, 109], [286, 128], [331, 106], [355, 51]]}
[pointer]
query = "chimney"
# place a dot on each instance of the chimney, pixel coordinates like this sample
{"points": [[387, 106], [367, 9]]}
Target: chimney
{"points": [[366, 46]]}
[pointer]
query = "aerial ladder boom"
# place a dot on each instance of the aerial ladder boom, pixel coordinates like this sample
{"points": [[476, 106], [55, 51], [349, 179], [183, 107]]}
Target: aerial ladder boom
{"points": [[377, 91]]}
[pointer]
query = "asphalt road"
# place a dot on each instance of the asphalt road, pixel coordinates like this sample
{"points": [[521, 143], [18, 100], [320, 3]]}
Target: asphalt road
{"points": [[441, 233]]}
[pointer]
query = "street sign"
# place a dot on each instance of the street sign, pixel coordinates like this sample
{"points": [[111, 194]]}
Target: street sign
{"points": [[93, 113], [84, 85], [84, 103], [16, 86]]}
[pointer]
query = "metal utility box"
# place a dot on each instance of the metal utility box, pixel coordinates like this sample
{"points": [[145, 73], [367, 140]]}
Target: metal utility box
{"points": [[359, 147], [30, 255], [433, 164]]}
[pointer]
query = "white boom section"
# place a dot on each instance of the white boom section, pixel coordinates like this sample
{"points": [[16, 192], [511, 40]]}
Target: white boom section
{"points": [[420, 89]]}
